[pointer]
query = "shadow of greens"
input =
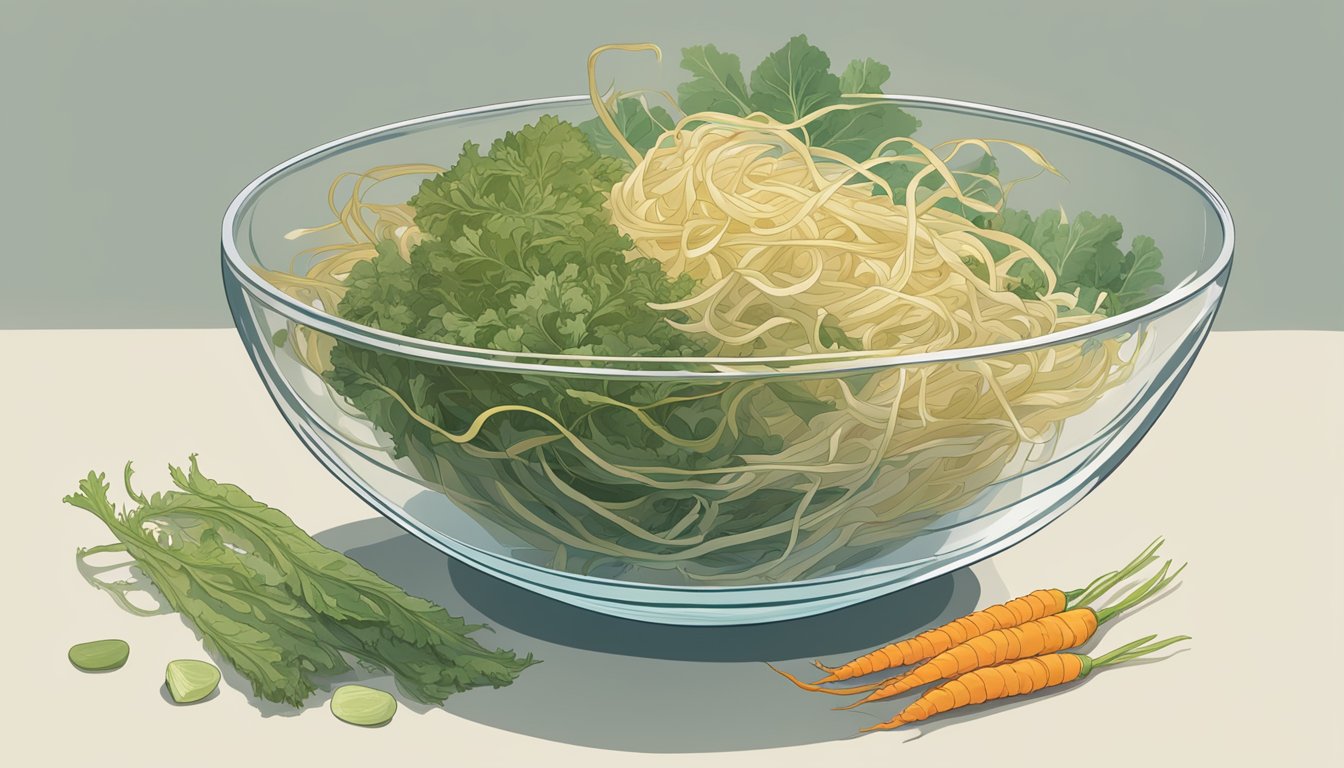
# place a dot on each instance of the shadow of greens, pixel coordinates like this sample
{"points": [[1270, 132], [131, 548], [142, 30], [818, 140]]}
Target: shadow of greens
{"points": [[618, 684]]}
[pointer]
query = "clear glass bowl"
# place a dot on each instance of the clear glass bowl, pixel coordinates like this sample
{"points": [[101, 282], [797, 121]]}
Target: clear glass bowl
{"points": [[851, 506]]}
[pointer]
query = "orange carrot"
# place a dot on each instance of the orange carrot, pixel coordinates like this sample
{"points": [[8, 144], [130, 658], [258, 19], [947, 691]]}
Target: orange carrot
{"points": [[1015, 679], [1037, 605], [1048, 635], [926, 645], [1034, 638]]}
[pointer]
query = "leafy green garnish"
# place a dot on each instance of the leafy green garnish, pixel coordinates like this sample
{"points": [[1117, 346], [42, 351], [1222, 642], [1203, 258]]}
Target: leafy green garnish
{"points": [[716, 83], [864, 76], [1140, 275], [522, 257], [282, 609], [789, 84], [639, 123], [794, 82], [1086, 257]]}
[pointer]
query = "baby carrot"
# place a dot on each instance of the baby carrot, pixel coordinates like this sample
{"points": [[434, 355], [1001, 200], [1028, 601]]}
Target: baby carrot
{"points": [[1016, 679], [1049, 635], [926, 645]]}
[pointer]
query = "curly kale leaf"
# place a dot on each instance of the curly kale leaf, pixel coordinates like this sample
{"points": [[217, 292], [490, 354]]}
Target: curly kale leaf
{"points": [[1087, 259]]}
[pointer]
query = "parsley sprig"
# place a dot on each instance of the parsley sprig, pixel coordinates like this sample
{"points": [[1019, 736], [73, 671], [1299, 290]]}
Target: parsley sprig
{"points": [[286, 612]]}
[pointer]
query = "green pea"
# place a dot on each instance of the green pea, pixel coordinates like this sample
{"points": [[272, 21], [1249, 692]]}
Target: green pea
{"points": [[100, 655], [190, 681], [358, 705]]}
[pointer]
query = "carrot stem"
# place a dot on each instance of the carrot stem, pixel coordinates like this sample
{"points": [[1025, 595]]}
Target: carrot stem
{"points": [[1134, 650], [1102, 584], [1144, 591], [1015, 678]]}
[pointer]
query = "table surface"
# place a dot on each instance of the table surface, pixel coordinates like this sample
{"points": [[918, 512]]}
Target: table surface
{"points": [[1241, 475]]}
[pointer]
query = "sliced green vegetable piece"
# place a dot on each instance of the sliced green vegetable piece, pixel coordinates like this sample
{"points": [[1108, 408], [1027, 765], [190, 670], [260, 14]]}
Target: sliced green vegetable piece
{"points": [[100, 655], [359, 705], [190, 680]]}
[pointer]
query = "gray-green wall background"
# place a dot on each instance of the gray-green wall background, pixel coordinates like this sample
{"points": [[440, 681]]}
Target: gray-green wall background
{"points": [[128, 125]]}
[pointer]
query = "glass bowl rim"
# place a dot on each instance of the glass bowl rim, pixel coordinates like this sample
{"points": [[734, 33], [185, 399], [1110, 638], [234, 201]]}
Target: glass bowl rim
{"points": [[722, 367]]}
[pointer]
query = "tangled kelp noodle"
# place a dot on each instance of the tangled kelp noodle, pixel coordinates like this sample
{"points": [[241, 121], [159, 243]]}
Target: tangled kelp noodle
{"points": [[763, 244]]}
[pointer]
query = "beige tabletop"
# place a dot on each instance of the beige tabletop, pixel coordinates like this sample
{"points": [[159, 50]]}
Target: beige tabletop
{"points": [[1242, 475]]}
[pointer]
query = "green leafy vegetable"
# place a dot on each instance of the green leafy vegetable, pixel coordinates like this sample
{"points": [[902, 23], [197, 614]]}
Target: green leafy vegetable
{"points": [[716, 84], [1140, 276], [864, 76], [509, 231], [639, 123], [789, 84], [1086, 257], [522, 257], [281, 608], [856, 133], [794, 82]]}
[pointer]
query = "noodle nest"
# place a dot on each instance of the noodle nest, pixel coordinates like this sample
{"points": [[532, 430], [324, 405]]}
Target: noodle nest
{"points": [[794, 250]]}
